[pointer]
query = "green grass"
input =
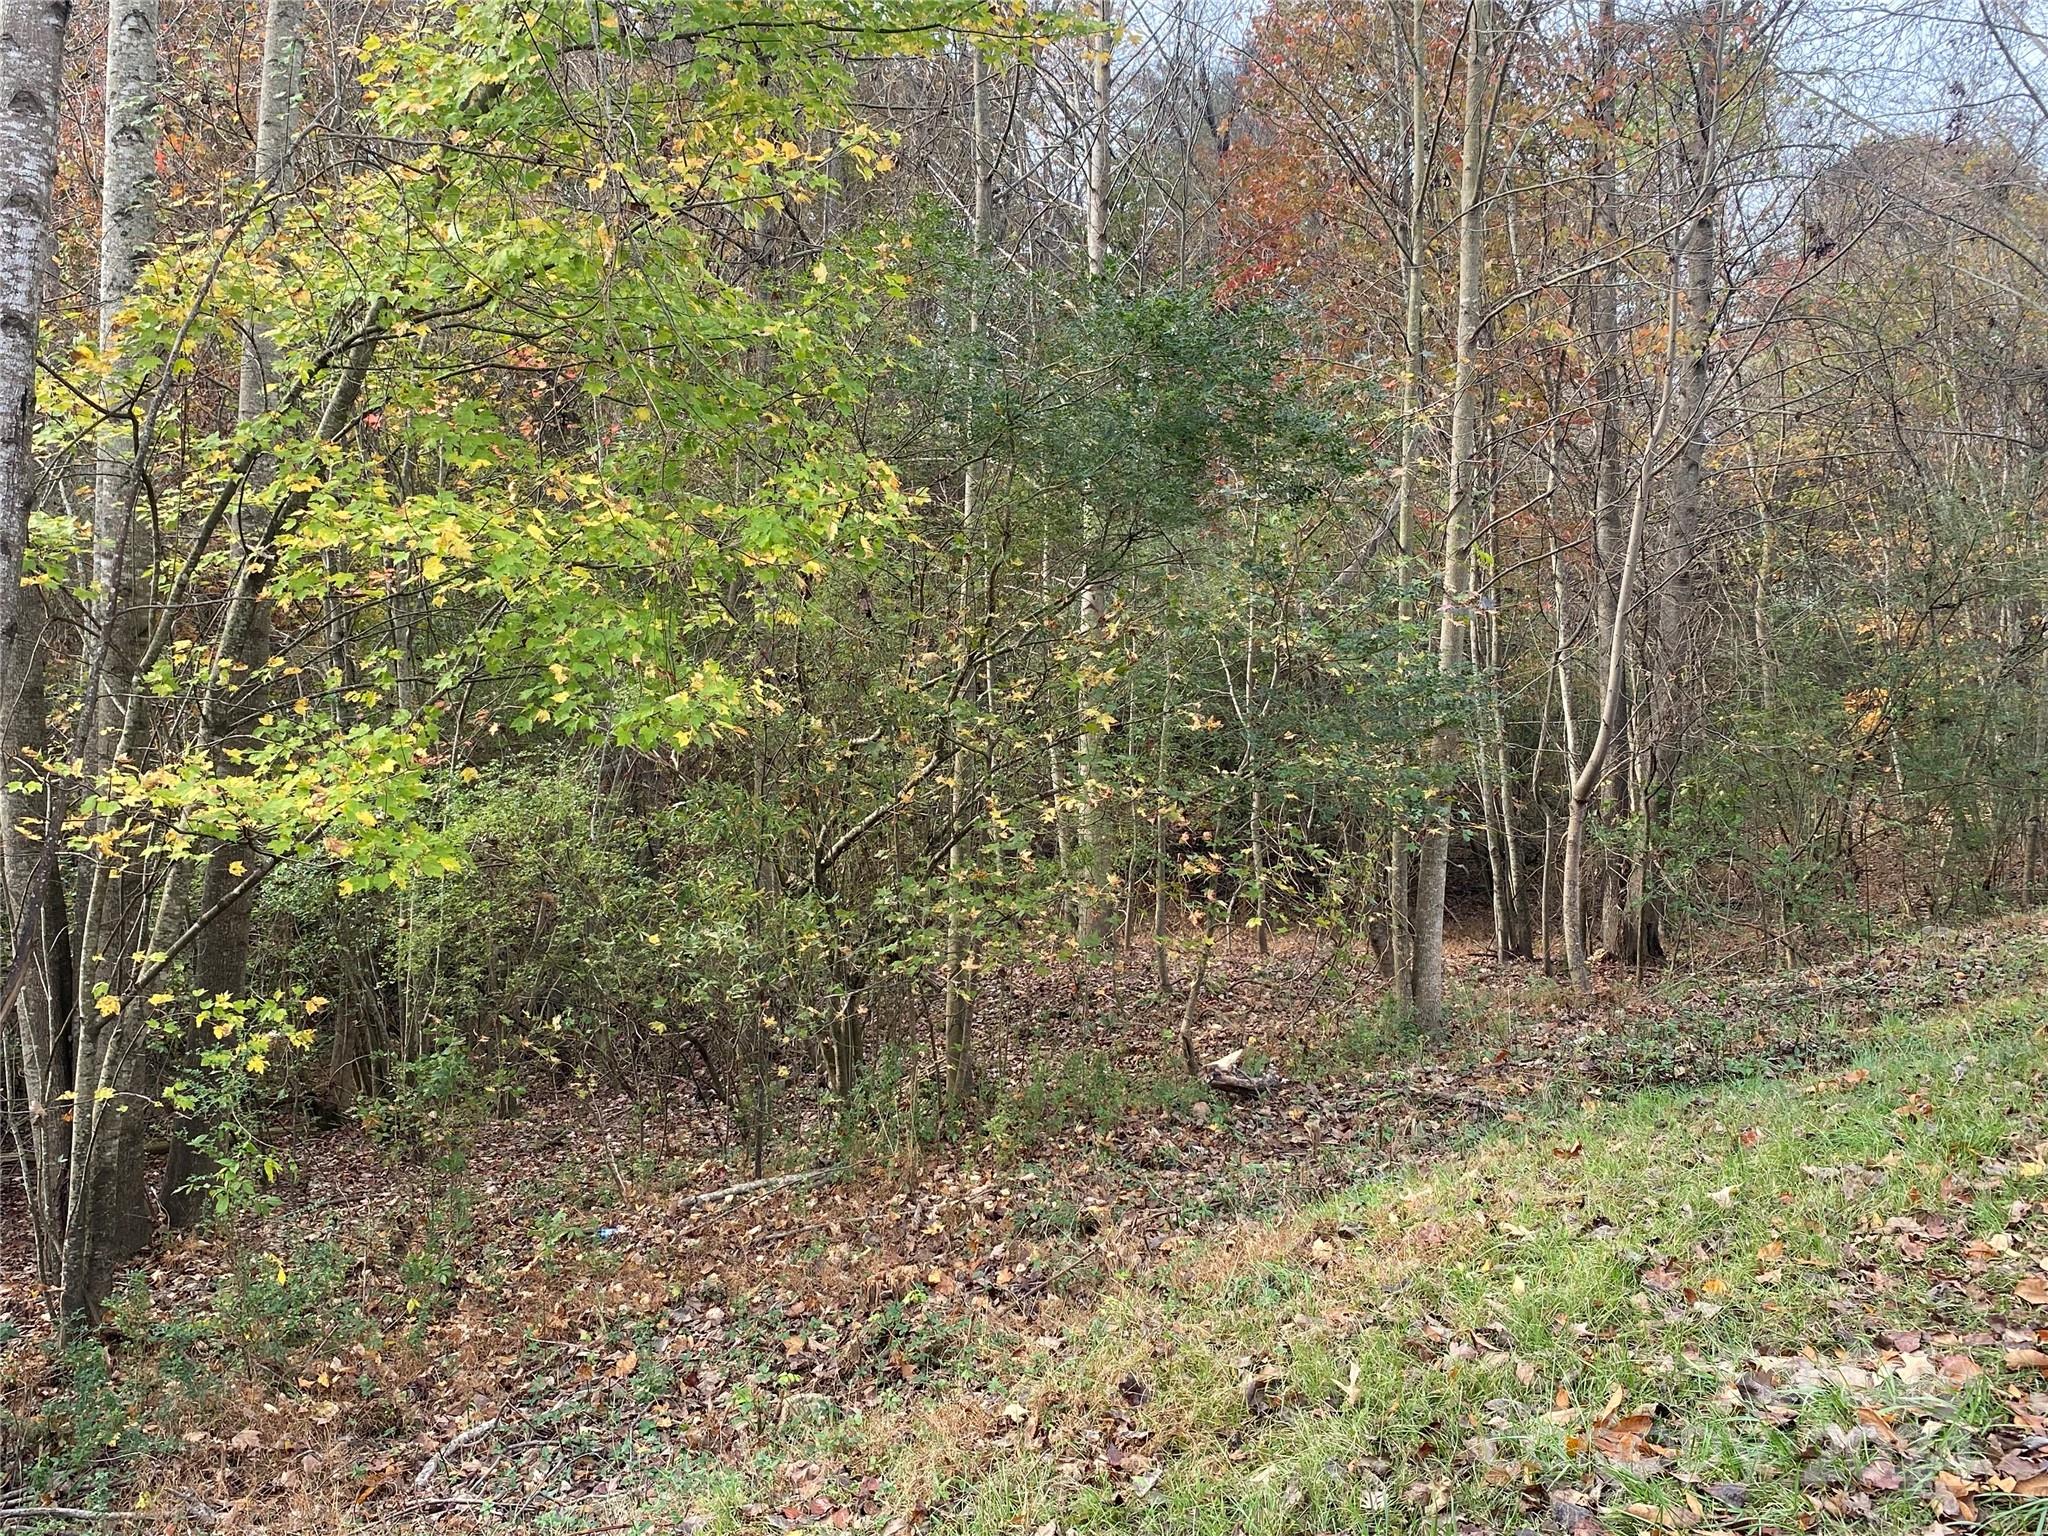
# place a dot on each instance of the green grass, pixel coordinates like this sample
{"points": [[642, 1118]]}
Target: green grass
{"points": [[1466, 1342]]}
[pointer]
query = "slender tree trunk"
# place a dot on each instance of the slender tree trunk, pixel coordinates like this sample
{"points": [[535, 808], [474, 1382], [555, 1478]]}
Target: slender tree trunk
{"points": [[1603, 324], [1400, 859], [1514, 906], [1258, 851], [1090, 823], [1433, 869], [1496, 859], [1160, 821], [1613, 690], [959, 945], [1191, 1009], [1697, 258]]}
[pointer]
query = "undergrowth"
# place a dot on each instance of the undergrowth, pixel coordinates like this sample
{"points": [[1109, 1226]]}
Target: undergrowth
{"points": [[1690, 1310]]}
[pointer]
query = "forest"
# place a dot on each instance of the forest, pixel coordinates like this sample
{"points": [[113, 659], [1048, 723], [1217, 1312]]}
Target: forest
{"points": [[1024, 765]]}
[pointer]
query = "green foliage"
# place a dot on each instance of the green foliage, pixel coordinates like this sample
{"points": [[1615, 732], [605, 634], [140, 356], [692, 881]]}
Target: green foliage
{"points": [[430, 1103], [83, 1434], [234, 1064], [536, 451]]}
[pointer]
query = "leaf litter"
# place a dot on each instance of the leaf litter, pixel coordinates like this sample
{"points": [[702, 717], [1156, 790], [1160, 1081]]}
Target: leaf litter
{"points": [[604, 1325]]}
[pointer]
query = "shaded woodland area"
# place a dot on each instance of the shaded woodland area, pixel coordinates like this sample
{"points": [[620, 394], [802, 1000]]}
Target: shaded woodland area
{"points": [[808, 591]]}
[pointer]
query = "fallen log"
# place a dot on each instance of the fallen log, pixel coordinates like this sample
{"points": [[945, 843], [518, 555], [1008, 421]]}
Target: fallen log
{"points": [[758, 1186], [1227, 1073]]}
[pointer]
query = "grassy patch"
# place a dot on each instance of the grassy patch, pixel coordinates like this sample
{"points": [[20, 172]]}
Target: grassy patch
{"points": [[1796, 1304]]}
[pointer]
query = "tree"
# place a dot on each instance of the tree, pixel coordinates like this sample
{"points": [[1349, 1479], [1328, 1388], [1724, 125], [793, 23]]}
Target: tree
{"points": [[1462, 515]]}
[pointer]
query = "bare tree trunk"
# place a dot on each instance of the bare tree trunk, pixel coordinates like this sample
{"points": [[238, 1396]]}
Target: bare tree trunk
{"points": [[105, 1206], [1496, 860], [1258, 852], [1090, 822], [31, 65], [1603, 323], [128, 191], [1512, 907], [1613, 690], [1191, 1009], [1568, 723], [1160, 821], [1062, 828], [959, 947], [1400, 860], [1697, 258], [1433, 869]]}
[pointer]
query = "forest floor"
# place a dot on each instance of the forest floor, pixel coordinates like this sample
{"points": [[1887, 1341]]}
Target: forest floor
{"points": [[1694, 1256]]}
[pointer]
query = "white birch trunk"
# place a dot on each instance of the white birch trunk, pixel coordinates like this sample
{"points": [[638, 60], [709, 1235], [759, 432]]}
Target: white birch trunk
{"points": [[128, 195], [32, 34]]}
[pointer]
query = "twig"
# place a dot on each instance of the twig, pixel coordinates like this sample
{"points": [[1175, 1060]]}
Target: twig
{"points": [[756, 1186], [461, 1442]]}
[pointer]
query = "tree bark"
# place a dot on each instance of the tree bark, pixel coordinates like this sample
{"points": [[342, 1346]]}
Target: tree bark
{"points": [[1400, 857], [1614, 689], [1090, 824], [32, 38], [959, 943], [1697, 257], [1436, 844], [128, 193], [1603, 327]]}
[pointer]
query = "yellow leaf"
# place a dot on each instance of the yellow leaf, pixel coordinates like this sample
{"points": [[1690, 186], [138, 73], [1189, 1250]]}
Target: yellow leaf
{"points": [[108, 1005]]}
